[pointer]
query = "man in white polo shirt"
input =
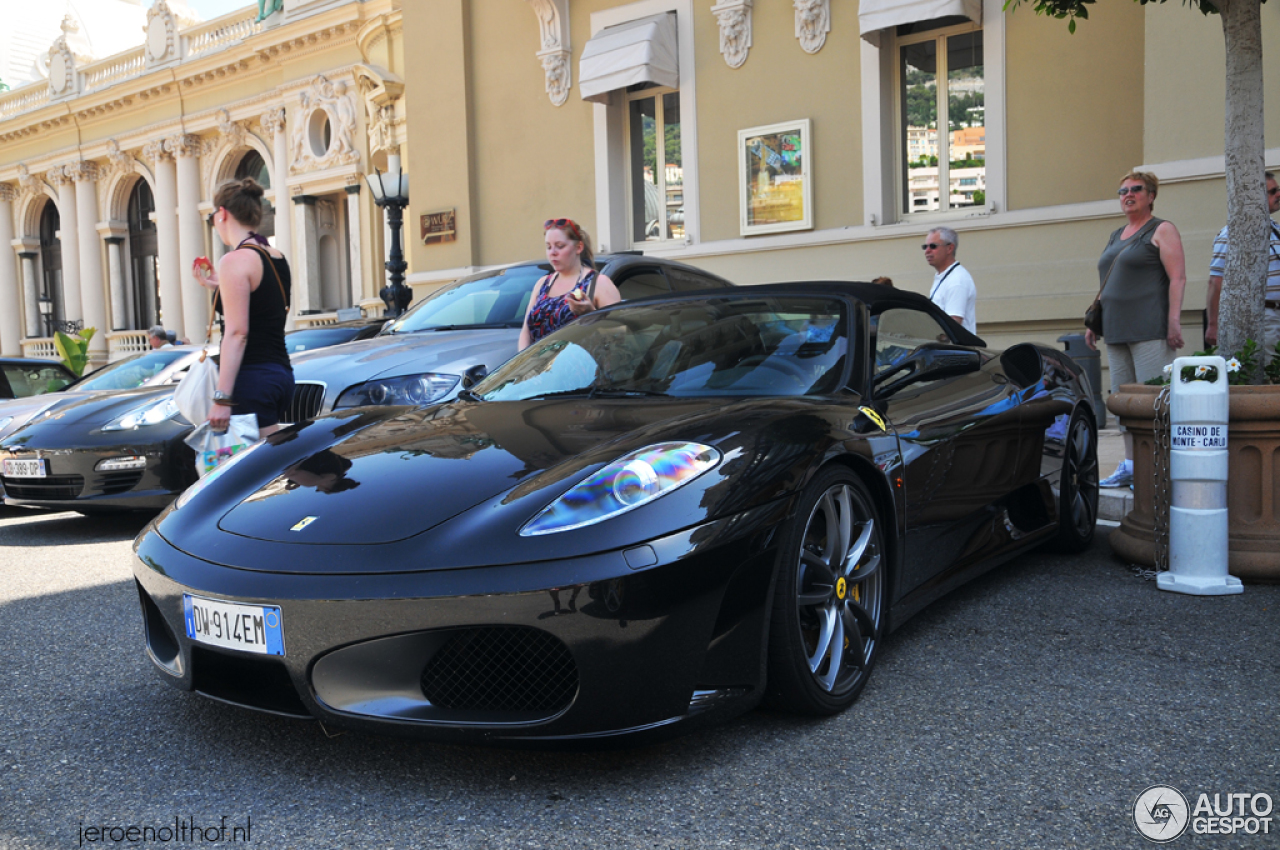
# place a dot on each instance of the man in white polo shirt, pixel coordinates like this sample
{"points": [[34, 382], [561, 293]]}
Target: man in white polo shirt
{"points": [[953, 288]]}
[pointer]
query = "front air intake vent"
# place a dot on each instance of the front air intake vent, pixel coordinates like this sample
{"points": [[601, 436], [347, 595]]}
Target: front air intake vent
{"points": [[501, 668]]}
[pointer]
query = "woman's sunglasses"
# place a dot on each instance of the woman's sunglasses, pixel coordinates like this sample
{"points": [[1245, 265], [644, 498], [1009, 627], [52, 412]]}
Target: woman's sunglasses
{"points": [[572, 228]]}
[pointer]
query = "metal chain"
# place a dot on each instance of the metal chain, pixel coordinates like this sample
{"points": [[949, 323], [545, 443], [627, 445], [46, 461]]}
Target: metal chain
{"points": [[1161, 486]]}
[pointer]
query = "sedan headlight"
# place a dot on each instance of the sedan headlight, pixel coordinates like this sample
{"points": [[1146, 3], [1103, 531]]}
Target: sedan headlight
{"points": [[415, 390], [627, 483], [152, 413]]}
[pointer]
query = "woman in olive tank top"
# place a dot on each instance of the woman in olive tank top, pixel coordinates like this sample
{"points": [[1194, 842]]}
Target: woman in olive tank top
{"points": [[1142, 273]]}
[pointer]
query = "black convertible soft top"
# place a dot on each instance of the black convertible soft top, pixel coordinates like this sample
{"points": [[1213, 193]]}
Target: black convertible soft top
{"points": [[876, 296]]}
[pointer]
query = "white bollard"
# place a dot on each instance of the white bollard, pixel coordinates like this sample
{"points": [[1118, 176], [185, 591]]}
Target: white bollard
{"points": [[1198, 416]]}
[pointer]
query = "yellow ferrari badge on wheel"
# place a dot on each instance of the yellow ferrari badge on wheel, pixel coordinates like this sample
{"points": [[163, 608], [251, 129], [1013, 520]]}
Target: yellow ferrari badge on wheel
{"points": [[874, 417]]}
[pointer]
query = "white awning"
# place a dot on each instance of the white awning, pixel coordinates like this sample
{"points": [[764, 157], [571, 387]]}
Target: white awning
{"points": [[876, 15], [640, 51]]}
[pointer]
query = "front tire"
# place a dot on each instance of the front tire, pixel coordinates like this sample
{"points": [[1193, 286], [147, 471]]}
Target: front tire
{"points": [[1078, 485], [829, 602]]}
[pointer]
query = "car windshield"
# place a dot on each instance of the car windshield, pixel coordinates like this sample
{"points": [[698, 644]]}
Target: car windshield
{"points": [[321, 337], [132, 371], [495, 300], [787, 346]]}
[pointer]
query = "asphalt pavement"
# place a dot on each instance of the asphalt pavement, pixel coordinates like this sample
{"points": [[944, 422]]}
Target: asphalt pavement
{"points": [[1026, 710]]}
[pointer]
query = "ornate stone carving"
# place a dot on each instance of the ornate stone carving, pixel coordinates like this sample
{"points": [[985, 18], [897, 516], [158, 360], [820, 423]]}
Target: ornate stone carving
{"points": [[82, 171], [30, 184], [272, 121], [325, 99], [184, 144], [553, 25], [813, 22], [162, 32], [154, 151], [62, 62], [380, 90], [734, 17], [57, 176], [326, 215], [8, 193], [121, 162], [234, 131]]}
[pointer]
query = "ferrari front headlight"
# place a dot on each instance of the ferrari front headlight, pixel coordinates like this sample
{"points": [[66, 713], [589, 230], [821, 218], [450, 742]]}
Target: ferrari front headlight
{"points": [[152, 413], [629, 482], [415, 390]]}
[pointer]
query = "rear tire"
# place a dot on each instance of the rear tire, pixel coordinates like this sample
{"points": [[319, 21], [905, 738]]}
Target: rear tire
{"points": [[829, 603]]}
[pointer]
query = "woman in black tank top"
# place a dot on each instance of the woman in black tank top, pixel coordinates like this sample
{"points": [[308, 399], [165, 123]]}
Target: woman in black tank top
{"points": [[253, 286]]}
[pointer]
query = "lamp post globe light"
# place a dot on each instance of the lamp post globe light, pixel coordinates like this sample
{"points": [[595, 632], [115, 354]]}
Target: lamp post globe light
{"points": [[391, 192]]}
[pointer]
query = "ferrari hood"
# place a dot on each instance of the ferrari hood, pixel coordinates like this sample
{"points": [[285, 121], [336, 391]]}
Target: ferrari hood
{"points": [[414, 471]]}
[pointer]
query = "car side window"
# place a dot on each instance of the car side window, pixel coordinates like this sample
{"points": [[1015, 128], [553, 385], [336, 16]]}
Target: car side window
{"points": [[900, 331], [642, 283], [35, 380]]}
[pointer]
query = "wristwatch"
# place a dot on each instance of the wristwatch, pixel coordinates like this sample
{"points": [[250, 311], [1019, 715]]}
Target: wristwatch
{"points": [[219, 397]]}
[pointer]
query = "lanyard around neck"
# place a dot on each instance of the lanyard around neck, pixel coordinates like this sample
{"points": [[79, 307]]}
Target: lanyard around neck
{"points": [[942, 280]]}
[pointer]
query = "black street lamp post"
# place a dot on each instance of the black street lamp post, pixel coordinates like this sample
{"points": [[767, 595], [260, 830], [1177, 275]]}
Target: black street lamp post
{"points": [[391, 192]]}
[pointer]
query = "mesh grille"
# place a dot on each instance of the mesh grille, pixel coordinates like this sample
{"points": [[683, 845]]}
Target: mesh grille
{"points": [[308, 398], [111, 483], [501, 668], [52, 487]]}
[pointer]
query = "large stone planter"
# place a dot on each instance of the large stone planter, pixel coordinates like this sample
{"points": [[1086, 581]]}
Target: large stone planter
{"points": [[1253, 485]]}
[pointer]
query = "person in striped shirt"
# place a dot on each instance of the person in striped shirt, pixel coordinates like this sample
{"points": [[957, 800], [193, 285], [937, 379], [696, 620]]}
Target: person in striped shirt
{"points": [[1218, 267]]}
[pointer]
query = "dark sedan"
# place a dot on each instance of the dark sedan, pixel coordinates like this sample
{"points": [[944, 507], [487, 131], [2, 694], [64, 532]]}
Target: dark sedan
{"points": [[21, 377], [118, 444], [473, 323], [654, 518]]}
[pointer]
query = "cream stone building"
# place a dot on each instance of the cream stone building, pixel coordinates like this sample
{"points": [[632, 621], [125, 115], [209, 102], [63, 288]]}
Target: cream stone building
{"points": [[108, 163], [525, 110]]}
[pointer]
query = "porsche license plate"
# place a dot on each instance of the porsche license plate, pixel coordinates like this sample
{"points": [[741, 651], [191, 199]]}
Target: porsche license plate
{"points": [[33, 468], [230, 625]]}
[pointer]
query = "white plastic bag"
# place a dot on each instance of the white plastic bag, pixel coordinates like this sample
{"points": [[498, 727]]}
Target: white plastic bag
{"points": [[214, 447], [194, 394]]}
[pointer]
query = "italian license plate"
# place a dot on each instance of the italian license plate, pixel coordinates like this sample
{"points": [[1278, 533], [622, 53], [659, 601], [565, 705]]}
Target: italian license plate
{"points": [[33, 468], [248, 628]]}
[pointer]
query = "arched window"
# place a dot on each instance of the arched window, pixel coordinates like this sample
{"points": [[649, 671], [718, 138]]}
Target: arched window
{"points": [[52, 312], [254, 166], [144, 301]]}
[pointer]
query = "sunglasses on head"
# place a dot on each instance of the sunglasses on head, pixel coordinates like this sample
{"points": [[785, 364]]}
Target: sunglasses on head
{"points": [[933, 246], [562, 223], [1128, 190]]}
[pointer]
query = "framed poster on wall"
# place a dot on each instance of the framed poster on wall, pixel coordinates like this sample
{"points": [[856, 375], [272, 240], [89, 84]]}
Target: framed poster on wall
{"points": [[775, 186]]}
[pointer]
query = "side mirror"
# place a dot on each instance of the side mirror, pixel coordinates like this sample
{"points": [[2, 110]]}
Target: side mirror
{"points": [[473, 376], [928, 363]]}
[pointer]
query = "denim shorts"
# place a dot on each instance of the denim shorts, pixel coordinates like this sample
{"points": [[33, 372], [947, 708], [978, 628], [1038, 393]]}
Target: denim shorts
{"points": [[265, 389]]}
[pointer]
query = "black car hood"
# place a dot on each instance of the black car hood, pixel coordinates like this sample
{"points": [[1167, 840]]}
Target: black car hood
{"points": [[409, 473], [65, 424]]}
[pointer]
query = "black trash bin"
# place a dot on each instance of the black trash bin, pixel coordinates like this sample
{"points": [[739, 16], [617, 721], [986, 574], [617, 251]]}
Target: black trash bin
{"points": [[1090, 361]]}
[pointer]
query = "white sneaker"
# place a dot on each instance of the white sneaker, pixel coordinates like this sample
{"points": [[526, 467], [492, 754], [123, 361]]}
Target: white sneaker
{"points": [[1122, 477]]}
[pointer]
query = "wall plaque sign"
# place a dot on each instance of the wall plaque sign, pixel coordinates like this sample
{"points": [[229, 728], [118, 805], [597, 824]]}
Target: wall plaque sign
{"points": [[438, 227]]}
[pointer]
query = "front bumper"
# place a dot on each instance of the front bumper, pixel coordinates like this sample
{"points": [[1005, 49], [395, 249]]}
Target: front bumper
{"points": [[73, 480], [634, 643]]}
